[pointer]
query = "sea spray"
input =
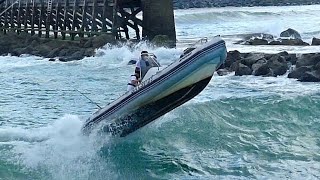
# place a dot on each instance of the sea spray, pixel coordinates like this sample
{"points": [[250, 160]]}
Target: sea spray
{"points": [[64, 152]]}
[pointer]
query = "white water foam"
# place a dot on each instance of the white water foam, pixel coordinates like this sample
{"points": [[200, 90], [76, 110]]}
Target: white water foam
{"points": [[60, 150]]}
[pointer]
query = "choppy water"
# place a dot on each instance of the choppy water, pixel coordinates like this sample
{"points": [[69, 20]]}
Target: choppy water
{"points": [[237, 128]]}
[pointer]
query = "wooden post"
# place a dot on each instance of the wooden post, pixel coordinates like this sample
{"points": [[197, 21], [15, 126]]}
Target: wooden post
{"points": [[136, 28], [48, 20], [84, 19], [65, 19], [41, 14], [19, 18], [114, 21], [56, 24], [33, 17], [74, 19], [12, 15], [5, 18], [26, 15], [94, 18], [104, 16]]}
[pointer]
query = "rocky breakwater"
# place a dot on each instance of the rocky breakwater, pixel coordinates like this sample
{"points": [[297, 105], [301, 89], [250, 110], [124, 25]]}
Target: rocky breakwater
{"points": [[24, 43], [305, 67], [289, 37]]}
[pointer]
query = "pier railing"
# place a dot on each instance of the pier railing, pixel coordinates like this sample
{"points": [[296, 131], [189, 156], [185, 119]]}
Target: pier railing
{"points": [[69, 17]]}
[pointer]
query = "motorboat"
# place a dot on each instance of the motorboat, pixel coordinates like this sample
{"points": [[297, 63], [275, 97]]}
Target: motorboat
{"points": [[160, 91]]}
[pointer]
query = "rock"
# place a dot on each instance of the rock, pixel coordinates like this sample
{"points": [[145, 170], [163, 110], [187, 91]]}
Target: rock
{"points": [[292, 58], [315, 41], [17, 51], [289, 42], [222, 72], [162, 40], [54, 53], [257, 41], [317, 66], [132, 62], [43, 50], [89, 52], [278, 69], [313, 76], [83, 41], [247, 37], [283, 53], [35, 43], [88, 43], [102, 40], [52, 59], [251, 59], [243, 70], [64, 52], [234, 66], [257, 65], [77, 55], [293, 42], [263, 70], [299, 72], [291, 33], [275, 43], [232, 56], [30, 39], [308, 60]]}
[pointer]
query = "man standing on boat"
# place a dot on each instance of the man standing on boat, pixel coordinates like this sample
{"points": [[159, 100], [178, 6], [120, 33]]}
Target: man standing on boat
{"points": [[142, 65]]}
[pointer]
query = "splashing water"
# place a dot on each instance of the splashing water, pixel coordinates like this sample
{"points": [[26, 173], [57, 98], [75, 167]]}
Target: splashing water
{"points": [[237, 128]]}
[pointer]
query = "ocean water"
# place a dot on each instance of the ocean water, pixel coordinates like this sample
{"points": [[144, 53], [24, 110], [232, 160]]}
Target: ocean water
{"points": [[237, 128]]}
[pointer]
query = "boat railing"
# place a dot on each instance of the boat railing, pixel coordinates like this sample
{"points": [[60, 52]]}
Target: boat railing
{"points": [[200, 41]]}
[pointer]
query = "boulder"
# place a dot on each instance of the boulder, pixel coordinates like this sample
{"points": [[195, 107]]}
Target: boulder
{"points": [[283, 53], [232, 56], [292, 58], [83, 41], [317, 66], [102, 40], [30, 39], [89, 52], [54, 53], [308, 60], [263, 70], [257, 41], [234, 66], [299, 72], [222, 72], [250, 59], [64, 52], [257, 65], [162, 40], [275, 43], [278, 65], [315, 41], [293, 42], [77, 55], [290, 33], [313, 76], [247, 37], [243, 70], [87, 44]]}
